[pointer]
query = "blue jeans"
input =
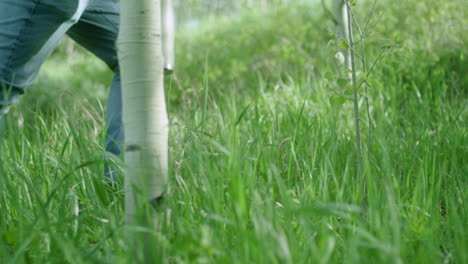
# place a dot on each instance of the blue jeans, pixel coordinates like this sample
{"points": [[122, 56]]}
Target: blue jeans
{"points": [[31, 29]]}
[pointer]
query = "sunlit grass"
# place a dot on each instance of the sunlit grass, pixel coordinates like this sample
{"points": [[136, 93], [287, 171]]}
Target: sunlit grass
{"points": [[263, 167]]}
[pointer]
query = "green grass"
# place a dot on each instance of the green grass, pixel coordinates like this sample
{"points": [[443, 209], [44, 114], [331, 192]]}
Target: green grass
{"points": [[263, 167]]}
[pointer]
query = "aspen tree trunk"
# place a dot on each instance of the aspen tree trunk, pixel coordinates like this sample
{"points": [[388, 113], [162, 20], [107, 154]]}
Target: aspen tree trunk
{"points": [[341, 16], [168, 29], [344, 31], [144, 109]]}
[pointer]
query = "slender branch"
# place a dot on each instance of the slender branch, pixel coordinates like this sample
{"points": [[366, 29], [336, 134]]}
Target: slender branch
{"points": [[349, 46], [371, 30], [355, 96], [369, 18], [372, 68], [364, 69]]}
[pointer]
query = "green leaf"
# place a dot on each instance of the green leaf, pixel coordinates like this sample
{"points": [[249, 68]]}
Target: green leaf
{"points": [[373, 82], [337, 100], [342, 44], [10, 237], [342, 82], [349, 91], [329, 75]]}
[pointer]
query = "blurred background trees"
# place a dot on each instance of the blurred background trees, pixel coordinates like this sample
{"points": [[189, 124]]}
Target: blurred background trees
{"points": [[193, 9]]}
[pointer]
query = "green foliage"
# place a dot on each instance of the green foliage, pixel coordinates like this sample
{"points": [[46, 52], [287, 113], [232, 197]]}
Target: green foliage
{"points": [[342, 44], [262, 158], [239, 50]]}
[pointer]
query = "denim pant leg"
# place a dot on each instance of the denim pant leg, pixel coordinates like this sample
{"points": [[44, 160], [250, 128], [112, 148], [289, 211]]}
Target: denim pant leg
{"points": [[29, 32], [31, 29], [97, 31]]}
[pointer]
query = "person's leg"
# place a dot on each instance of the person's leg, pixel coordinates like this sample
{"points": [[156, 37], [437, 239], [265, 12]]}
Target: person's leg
{"points": [[29, 32], [97, 31]]}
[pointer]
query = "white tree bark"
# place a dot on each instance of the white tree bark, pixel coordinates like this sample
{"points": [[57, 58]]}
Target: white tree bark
{"points": [[341, 17], [168, 24], [345, 32], [144, 109]]}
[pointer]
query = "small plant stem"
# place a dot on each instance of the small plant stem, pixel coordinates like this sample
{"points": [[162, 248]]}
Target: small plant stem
{"points": [[366, 86], [365, 32], [355, 94]]}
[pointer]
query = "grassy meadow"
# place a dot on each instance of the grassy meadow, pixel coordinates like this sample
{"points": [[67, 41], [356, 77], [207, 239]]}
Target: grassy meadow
{"points": [[262, 158]]}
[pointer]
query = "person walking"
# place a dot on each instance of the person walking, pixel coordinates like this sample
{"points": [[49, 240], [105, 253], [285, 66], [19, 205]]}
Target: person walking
{"points": [[31, 29]]}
